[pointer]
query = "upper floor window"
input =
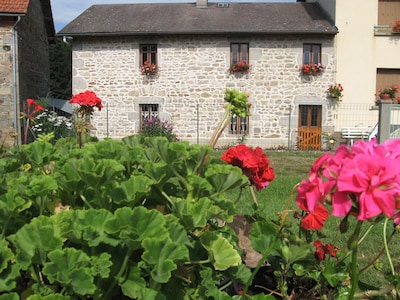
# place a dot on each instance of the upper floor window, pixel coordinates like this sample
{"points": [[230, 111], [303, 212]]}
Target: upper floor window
{"points": [[239, 52], [311, 54], [148, 53], [388, 12]]}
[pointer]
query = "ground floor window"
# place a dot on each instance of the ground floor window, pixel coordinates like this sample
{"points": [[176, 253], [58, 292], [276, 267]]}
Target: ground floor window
{"points": [[239, 125], [148, 111]]}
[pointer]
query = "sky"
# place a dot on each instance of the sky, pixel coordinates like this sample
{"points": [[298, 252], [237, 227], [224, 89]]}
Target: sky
{"points": [[64, 11]]}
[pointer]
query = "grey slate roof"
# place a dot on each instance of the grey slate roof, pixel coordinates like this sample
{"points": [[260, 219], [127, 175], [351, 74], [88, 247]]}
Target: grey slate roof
{"points": [[186, 18]]}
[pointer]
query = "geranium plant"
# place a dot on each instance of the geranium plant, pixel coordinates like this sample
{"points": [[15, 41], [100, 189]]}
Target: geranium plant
{"points": [[148, 69], [390, 91], [242, 66], [311, 69], [30, 112], [335, 91], [396, 26], [86, 102], [361, 181]]}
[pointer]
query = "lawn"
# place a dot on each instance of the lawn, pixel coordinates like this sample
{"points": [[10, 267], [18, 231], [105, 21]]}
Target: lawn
{"points": [[290, 168]]}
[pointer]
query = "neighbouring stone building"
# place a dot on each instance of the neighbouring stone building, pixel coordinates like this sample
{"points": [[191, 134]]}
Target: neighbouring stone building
{"points": [[26, 30], [194, 45]]}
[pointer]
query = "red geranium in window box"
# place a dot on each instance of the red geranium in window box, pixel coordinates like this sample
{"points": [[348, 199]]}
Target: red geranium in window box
{"points": [[312, 69], [149, 69], [241, 66]]}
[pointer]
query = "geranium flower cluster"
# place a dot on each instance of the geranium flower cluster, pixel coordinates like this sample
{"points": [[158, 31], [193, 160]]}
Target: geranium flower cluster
{"points": [[311, 69], [31, 109], [336, 91], [362, 180], [241, 66], [87, 101], [148, 69], [322, 250], [253, 162]]}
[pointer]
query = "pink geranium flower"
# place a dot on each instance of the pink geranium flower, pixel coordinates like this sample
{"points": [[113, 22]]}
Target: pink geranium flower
{"points": [[363, 179]]}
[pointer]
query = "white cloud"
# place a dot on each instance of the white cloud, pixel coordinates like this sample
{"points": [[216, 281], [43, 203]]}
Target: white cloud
{"points": [[64, 11]]}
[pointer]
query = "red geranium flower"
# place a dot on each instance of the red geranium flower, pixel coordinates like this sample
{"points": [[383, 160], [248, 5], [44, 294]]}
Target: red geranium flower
{"points": [[321, 250], [87, 100], [253, 162], [315, 220]]}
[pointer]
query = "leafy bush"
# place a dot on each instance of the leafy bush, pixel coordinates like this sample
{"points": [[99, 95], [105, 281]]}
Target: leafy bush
{"points": [[156, 127], [135, 218], [49, 121]]}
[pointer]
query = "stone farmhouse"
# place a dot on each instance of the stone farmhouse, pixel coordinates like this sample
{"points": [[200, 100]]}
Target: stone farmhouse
{"points": [[26, 30], [194, 45]]}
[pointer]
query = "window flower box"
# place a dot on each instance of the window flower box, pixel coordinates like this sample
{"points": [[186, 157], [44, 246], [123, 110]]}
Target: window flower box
{"points": [[335, 91], [149, 69], [242, 66], [312, 69], [388, 93], [396, 27]]}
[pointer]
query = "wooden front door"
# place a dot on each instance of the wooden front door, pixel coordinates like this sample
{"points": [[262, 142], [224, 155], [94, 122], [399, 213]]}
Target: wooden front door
{"points": [[309, 131]]}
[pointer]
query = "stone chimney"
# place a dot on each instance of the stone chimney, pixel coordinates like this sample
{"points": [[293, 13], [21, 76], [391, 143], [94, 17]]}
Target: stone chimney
{"points": [[201, 3]]}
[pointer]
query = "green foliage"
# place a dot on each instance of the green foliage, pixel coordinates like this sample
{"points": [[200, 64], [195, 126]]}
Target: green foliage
{"points": [[117, 219]]}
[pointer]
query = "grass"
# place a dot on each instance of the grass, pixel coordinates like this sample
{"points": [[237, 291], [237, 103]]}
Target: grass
{"points": [[290, 168]]}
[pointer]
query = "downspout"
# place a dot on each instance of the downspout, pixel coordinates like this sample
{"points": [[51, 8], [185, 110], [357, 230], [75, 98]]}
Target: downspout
{"points": [[14, 41]]}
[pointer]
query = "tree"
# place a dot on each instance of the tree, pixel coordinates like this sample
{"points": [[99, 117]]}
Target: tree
{"points": [[60, 70]]}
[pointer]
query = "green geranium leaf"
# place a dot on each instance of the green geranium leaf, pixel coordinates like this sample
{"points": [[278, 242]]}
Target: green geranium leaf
{"points": [[134, 225], [157, 171], [49, 297], [34, 240], [101, 265], [13, 202], [70, 267], [9, 296], [132, 191], [194, 214], [134, 286], [262, 235], [41, 185], [161, 254], [225, 177], [333, 273], [221, 251], [176, 231], [91, 223], [210, 282], [8, 270], [39, 153]]}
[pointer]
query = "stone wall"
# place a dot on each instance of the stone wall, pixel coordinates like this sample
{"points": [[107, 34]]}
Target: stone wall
{"points": [[193, 76], [7, 109], [32, 74]]}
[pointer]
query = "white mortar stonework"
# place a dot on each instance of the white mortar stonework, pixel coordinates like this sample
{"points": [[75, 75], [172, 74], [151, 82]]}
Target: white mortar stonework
{"points": [[191, 83]]}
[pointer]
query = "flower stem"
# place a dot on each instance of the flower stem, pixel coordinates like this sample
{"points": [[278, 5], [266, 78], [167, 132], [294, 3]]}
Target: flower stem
{"points": [[121, 272], [353, 246], [253, 194], [385, 244]]}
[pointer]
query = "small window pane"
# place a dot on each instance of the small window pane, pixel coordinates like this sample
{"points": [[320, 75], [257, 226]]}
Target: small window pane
{"points": [[148, 53], [239, 51], [238, 125], [311, 53], [147, 112]]}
